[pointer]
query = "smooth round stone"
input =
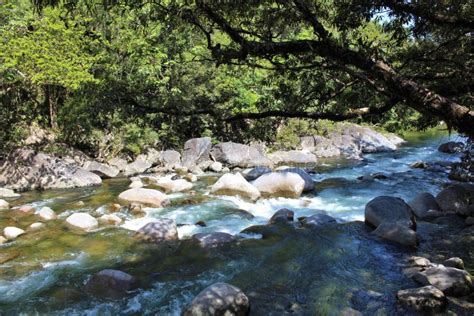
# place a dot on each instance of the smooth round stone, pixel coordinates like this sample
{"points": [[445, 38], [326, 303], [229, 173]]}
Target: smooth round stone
{"points": [[11, 232], [82, 221], [36, 226], [4, 205], [47, 214]]}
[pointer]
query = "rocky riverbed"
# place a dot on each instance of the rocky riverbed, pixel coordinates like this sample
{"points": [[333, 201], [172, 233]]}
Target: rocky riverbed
{"points": [[160, 233]]}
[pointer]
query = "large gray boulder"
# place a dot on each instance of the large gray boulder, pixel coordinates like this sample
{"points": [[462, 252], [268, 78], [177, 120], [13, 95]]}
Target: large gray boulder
{"points": [[426, 298], [101, 169], [140, 165], [387, 209], [286, 184], [292, 157], [239, 155], [424, 205], [26, 169], [368, 140], [143, 196], [111, 283], [208, 240], [118, 163], [160, 230], [398, 233], [196, 151], [218, 299], [457, 198], [452, 281], [235, 184], [170, 158], [8, 193], [308, 181]]}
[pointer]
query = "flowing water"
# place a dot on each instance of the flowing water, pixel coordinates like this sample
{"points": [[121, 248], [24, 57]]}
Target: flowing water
{"points": [[298, 271]]}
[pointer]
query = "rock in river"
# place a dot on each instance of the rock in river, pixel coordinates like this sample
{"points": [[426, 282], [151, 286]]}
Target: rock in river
{"points": [[457, 198], [11, 232], [149, 197], [387, 209], [111, 283], [235, 184], [239, 155], [101, 169], [213, 239], [398, 233], [46, 214], [4, 205], [7, 193], [160, 230], [196, 150], [282, 216], [425, 298], [452, 281], [424, 206], [280, 184], [218, 299], [82, 221]]}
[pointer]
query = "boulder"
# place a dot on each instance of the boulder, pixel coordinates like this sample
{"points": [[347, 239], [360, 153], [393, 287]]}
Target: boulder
{"points": [[26, 169], [451, 147], [111, 283], [160, 230], [7, 193], [171, 186], [419, 165], [387, 209], [218, 299], [452, 281], [82, 221], [239, 155], [318, 220], [11, 232], [46, 214], [235, 184], [110, 219], [424, 206], [216, 166], [196, 150], [454, 262], [368, 140], [140, 165], [282, 216], [427, 298], [416, 261], [213, 239], [149, 197], [102, 170], [398, 233], [457, 198], [191, 177], [170, 158], [254, 173], [280, 184], [292, 157], [308, 181], [4, 205], [136, 184], [118, 163]]}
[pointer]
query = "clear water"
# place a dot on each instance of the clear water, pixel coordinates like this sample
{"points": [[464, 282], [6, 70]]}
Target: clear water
{"points": [[297, 271]]}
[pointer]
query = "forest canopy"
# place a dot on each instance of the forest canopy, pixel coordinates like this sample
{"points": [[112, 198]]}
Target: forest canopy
{"points": [[116, 76]]}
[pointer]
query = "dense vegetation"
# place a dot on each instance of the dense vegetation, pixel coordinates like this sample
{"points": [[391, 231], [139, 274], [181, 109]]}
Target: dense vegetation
{"points": [[113, 77]]}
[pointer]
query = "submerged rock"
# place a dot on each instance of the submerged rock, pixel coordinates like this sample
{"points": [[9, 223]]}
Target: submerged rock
{"points": [[452, 281], [160, 230], [239, 155], [111, 283], [218, 299], [422, 299], [11, 232], [102, 170], [397, 232], [235, 184], [82, 221], [387, 209], [280, 184], [144, 196], [282, 216], [213, 239]]}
